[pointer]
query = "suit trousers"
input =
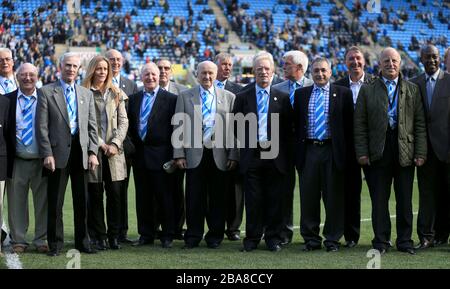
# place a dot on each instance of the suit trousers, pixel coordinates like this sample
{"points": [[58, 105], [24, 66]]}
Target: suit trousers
{"points": [[320, 178], [27, 174], [2, 189], [434, 188], [57, 183], [154, 186], [205, 198], [352, 192], [234, 203], [179, 201], [123, 230], [264, 188], [96, 215], [379, 176]]}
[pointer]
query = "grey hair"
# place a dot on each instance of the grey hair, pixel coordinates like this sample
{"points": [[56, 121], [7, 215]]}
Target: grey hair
{"points": [[22, 66], [4, 49], [321, 59], [387, 49], [203, 63], [263, 55], [297, 57], [110, 51], [148, 65], [68, 55], [221, 57]]}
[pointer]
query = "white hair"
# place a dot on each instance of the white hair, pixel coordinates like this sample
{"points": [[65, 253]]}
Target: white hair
{"points": [[263, 55], [297, 57], [68, 55]]}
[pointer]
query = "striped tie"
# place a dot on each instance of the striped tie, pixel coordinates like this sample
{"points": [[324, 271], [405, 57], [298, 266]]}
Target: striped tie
{"points": [[430, 89], [7, 85], [220, 84], [27, 113], [320, 126], [392, 105], [262, 115], [115, 82], [71, 108], [294, 86], [149, 99], [206, 113]]}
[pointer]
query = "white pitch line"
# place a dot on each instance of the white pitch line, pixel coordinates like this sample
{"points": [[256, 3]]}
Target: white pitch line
{"points": [[12, 261]]}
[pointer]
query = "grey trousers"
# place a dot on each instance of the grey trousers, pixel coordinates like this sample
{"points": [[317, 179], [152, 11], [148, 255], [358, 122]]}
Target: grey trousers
{"points": [[27, 174]]}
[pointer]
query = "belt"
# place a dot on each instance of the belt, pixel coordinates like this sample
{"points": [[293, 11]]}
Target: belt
{"points": [[317, 142]]}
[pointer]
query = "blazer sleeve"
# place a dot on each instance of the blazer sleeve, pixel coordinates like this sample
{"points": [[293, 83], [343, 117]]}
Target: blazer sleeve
{"points": [[360, 125], [233, 153], [122, 124], [42, 133], [92, 126], [420, 131], [179, 123]]}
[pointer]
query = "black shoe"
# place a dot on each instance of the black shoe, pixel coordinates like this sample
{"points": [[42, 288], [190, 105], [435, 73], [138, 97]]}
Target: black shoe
{"points": [[53, 252], [114, 244], [167, 244], [233, 237], [125, 240], [332, 248], [142, 242], [213, 245], [409, 250], [87, 250], [425, 244], [381, 250], [440, 242], [101, 245], [350, 244], [285, 241], [309, 247], [274, 247]]}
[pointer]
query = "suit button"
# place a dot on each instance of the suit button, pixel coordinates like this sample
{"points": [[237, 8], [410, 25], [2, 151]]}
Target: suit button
{"points": [[303, 140]]}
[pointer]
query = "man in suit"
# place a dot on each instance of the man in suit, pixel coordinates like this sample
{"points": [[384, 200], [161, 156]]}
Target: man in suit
{"points": [[7, 80], [150, 113], [166, 83], [67, 136], [295, 64], [235, 196], [355, 62], [130, 88], [447, 60], [25, 165], [264, 157], [323, 118], [203, 151], [433, 220], [390, 138], [4, 148]]}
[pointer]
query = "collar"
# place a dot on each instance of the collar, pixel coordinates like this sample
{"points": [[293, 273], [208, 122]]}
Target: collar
{"points": [[394, 80], [154, 90], [258, 89], [11, 77], [34, 94], [210, 90], [117, 78], [326, 87], [167, 86], [360, 81], [434, 76], [223, 82], [66, 85]]}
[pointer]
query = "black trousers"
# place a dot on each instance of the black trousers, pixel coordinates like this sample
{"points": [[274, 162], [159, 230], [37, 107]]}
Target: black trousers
{"points": [[178, 201], [234, 203], [434, 193], [264, 188], [96, 216], [205, 199], [320, 178], [379, 176], [57, 183], [352, 192], [151, 186], [123, 222]]}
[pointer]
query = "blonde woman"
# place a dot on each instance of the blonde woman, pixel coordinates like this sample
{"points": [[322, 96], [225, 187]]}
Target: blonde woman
{"points": [[112, 123]]}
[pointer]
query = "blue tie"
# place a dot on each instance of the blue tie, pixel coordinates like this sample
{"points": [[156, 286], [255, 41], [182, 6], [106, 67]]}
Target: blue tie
{"points": [[262, 115], [149, 99], [8, 85], [27, 113], [392, 110], [320, 126], [115, 82], [206, 114], [71, 108], [220, 84], [430, 89], [294, 86]]}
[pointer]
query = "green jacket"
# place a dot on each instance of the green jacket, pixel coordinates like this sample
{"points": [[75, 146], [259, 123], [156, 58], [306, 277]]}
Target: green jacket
{"points": [[371, 122]]}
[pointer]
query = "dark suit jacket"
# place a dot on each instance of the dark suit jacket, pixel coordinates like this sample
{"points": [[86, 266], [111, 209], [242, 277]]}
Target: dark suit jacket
{"points": [[437, 116], [232, 87], [345, 82], [245, 103], [157, 148], [128, 86], [340, 123], [12, 97], [4, 135]]}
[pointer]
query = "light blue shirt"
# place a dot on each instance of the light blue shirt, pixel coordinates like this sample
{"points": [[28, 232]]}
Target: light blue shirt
{"points": [[262, 130], [31, 151], [64, 87], [155, 93], [213, 107]]}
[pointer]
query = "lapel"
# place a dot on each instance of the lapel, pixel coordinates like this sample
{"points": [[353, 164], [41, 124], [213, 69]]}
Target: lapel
{"points": [[110, 105], [332, 98], [251, 98], [137, 109], [438, 86], [13, 110], [304, 103], [122, 84], [423, 90], [82, 109], [155, 108], [195, 99], [220, 99], [58, 95]]}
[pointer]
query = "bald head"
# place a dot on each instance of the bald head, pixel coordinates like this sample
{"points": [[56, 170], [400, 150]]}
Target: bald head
{"points": [[429, 56], [150, 76], [390, 62], [206, 73], [115, 58]]}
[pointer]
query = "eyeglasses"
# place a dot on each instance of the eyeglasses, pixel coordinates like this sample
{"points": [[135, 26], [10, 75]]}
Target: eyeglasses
{"points": [[8, 59]]}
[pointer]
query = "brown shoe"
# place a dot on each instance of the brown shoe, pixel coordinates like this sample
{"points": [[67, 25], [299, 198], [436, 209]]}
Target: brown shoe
{"points": [[19, 249], [42, 249]]}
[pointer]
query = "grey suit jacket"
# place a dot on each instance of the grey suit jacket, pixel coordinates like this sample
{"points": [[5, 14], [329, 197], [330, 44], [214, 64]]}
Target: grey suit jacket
{"points": [[53, 125], [438, 113], [189, 103], [128, 86], [176, 88], [284, 86]]}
